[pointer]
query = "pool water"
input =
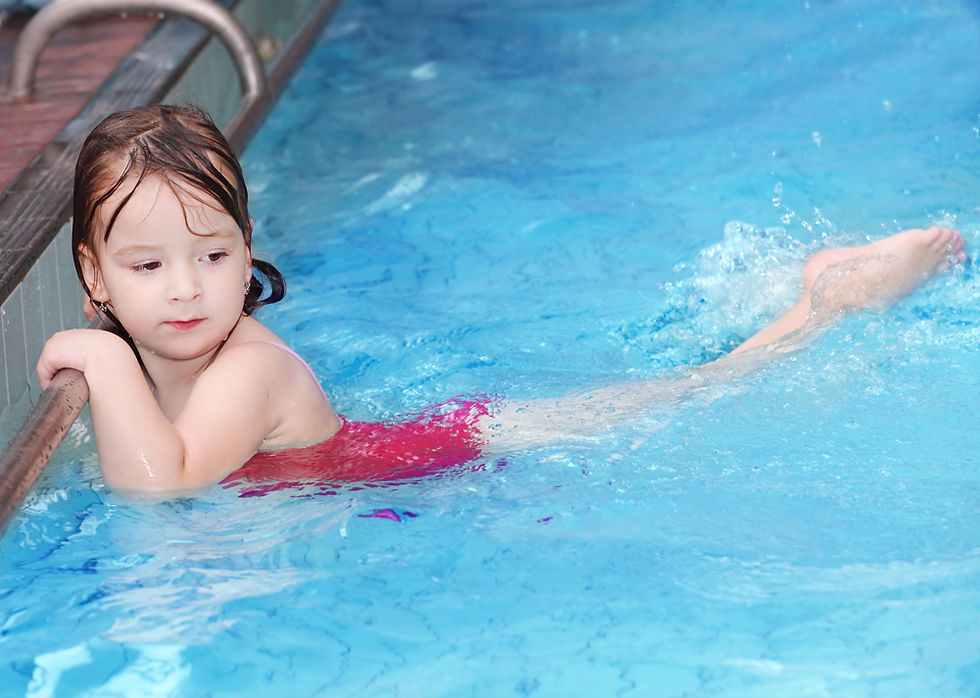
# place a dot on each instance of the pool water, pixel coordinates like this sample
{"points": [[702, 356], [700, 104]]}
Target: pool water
{"points": [[530, 198]]}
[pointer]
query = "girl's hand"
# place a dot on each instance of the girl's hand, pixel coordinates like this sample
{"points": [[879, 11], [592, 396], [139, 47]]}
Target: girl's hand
{"points": [[89, 351]]}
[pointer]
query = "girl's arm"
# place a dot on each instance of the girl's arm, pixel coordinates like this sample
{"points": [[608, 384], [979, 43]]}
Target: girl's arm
{"points": [[224, 421]]}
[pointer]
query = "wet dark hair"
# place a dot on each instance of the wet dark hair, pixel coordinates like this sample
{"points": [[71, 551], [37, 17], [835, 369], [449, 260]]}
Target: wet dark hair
{"points": [[183, 146]]}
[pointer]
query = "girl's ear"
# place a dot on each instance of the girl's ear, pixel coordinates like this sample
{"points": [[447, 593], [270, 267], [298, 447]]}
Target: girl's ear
{"points": [[92, 274]]}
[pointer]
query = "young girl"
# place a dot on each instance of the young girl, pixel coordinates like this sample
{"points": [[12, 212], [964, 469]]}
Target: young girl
{"points": [[189, 387]]}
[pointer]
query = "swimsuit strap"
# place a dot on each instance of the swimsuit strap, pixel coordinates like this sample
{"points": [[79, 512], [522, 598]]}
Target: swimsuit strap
{"points": [[299, 358]]}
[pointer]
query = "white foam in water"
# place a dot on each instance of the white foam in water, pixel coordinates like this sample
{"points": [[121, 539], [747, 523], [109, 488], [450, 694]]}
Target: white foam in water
{"points": [[747, 279], [727, 293]]}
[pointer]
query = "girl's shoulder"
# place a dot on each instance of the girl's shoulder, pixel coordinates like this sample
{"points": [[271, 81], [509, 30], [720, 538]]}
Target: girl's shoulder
{"points": [[252, 342], [274, 353], [291, 388]]}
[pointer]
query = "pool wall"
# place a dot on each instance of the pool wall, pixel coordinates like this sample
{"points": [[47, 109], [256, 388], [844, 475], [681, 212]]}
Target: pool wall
{"points": [[177, 62]]}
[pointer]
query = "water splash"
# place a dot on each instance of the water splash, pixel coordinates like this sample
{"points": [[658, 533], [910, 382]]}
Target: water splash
{"points": [[732, 289]]}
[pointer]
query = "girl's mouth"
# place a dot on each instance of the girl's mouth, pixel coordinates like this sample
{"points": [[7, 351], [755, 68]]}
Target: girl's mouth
{"points": [[184, 325]]}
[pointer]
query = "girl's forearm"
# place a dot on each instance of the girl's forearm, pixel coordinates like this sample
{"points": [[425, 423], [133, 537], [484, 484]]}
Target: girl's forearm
{"points": [[138, 447]]}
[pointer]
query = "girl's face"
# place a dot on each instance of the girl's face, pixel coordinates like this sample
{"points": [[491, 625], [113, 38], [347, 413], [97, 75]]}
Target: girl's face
{"points": [[173, 270]]}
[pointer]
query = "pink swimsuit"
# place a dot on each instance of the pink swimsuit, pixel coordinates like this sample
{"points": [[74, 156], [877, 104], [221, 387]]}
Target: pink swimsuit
{"points": [[439, 438]]}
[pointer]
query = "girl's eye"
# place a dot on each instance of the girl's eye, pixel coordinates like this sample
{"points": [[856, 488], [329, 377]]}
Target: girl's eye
{"points": [[215, 256], [145, 266]]}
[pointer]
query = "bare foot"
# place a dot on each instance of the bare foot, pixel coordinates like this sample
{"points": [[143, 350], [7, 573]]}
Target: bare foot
{"points": [[882, 272], [866, 276]]}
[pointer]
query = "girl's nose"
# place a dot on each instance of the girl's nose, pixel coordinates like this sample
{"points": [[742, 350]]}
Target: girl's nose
{"points": [[183, 285]]}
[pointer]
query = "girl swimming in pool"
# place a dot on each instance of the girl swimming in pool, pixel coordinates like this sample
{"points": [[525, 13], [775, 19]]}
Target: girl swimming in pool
{"points": [[189, 388]]}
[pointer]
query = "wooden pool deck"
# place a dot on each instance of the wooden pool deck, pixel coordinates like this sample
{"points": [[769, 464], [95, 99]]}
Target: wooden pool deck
{"points": [[72, 68]]}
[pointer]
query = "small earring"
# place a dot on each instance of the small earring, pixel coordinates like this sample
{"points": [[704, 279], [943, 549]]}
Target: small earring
{"points": [[101, 306], [248, 285]]}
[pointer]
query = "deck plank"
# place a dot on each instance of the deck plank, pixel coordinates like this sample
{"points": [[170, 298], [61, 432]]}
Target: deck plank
{"points": [[72, 68]]}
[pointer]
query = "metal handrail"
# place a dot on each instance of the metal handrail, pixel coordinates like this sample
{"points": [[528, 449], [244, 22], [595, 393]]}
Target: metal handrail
{"points": [[44, 427], [61, 13]]}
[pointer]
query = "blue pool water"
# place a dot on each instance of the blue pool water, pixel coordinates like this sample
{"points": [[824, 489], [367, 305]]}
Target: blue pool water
{"points": [[532, 198]]}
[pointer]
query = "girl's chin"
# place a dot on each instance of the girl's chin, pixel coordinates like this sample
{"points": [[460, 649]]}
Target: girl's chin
{"points": [[176, 351]]}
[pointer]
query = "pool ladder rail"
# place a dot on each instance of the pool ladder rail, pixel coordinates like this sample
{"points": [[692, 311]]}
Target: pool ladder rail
{"points": [[219, 20]]}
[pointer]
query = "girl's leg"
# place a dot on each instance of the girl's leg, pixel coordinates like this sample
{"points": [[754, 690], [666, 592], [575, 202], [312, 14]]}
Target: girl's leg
{"points": [[834, 281], [867, 276]]}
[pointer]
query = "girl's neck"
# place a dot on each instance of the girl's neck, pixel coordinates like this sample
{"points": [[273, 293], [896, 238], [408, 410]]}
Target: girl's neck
{"points": [[173, 379]]}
